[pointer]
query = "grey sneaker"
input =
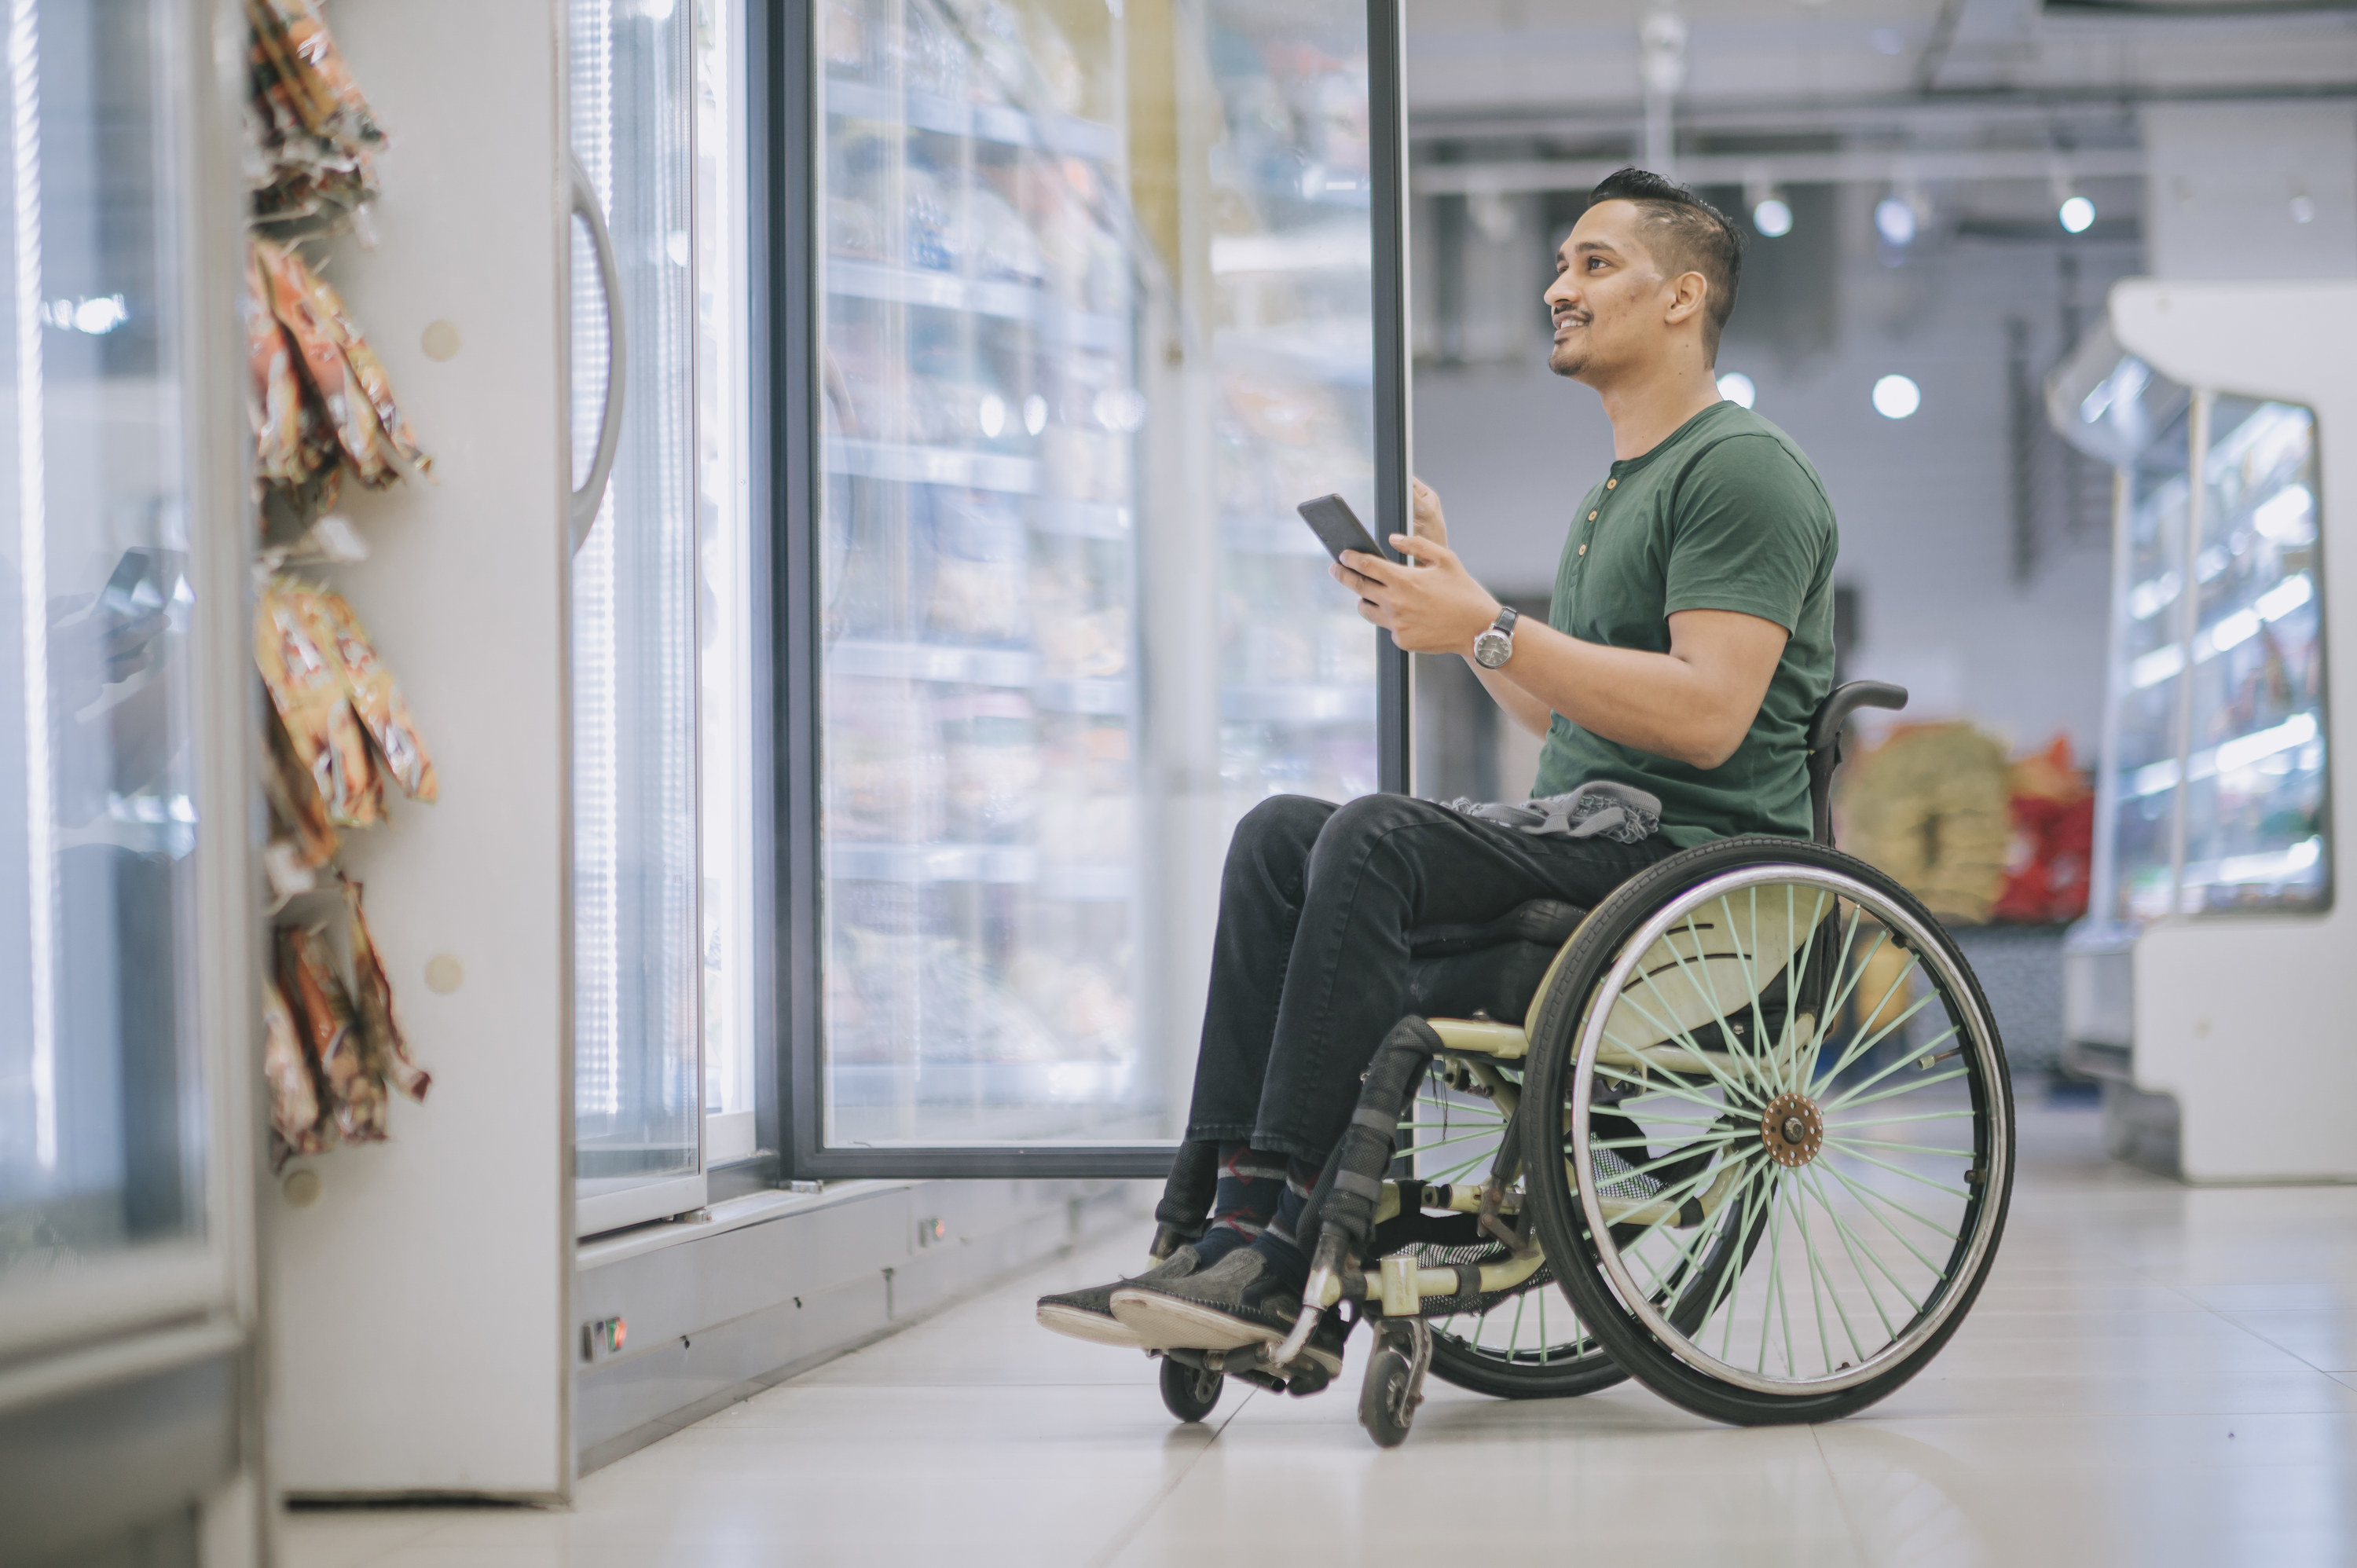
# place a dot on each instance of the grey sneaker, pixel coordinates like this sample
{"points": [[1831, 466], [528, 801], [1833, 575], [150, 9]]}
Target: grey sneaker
{"points": [[1238, 1301], [1088, 1314]]}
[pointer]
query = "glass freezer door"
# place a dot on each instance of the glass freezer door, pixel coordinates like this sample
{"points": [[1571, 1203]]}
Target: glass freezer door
{"points": [[638, 1096], [114, 995], [1101, 293]]}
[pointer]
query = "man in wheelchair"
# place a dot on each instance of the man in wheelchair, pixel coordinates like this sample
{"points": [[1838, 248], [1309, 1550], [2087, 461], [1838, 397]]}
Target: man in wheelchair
{"points": [[1687, 646]]}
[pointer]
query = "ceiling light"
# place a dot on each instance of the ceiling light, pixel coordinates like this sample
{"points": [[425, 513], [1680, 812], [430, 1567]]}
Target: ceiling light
{"points": [[2303, 208], [2077, 214], [1772, 216], [1736, 388], [1894, 220], [1896, 397]]}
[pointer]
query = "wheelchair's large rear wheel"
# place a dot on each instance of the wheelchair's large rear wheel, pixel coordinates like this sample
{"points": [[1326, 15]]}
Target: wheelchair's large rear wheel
{"points": [[1527, 1343], [1763, 1217]]}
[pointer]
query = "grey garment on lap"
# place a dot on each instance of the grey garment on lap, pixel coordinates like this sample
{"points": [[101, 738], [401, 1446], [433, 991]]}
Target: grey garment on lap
{"points": [[1597, 808]]}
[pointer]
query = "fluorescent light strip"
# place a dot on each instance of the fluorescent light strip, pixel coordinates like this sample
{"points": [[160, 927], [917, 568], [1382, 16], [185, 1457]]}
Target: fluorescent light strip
{"points": [[2152, 669], [33, 565]]}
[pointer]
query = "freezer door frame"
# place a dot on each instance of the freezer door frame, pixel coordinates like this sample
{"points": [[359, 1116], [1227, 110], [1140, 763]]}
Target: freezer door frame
{"points": [[786, 130]]}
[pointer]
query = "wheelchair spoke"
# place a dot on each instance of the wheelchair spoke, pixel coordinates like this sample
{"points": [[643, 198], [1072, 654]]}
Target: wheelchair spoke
{"points": [[1708, 990], [1865, 1043], [1900, 1148], [1866, 1193], [1732, 1282], [1858, 1247], [1831, 1007], [1801, 1214], [1648, 1142], [1950, 1074], [1652, 1086], [1845, 1144], [1776, 1277], [1686, 1038], [1909, 1059]]}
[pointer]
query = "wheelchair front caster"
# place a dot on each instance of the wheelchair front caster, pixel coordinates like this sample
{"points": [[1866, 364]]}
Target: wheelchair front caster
{"points": [[1189, 1392], [1394, 1384]]}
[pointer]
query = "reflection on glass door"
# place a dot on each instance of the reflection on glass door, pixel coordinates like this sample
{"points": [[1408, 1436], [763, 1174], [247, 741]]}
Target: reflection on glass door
{"points": [[1094, 296], [102, 1108], [2255, 832], [638, 1104], [2150, 627]]}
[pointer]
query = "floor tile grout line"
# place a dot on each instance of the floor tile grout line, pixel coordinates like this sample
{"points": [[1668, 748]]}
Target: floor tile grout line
{"points": [[1120, 1542]]}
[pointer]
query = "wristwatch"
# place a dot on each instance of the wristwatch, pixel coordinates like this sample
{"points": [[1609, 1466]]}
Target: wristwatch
{"points": [[1495, 646]]}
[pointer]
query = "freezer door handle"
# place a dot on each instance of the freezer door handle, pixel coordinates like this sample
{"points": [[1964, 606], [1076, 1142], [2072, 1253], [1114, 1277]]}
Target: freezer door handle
{"points": [[582, 195]]}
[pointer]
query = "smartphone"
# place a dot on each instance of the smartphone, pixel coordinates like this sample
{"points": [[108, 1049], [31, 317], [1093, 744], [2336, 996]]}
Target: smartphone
{"points": [[1337, 526], [144, 582]]}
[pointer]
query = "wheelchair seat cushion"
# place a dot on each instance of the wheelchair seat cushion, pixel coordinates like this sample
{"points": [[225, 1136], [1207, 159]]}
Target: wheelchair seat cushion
{"points": [[1493, 967]]}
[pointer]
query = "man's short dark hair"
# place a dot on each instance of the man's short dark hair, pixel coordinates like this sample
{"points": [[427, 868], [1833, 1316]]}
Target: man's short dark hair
{"points": [[1686, 234]]}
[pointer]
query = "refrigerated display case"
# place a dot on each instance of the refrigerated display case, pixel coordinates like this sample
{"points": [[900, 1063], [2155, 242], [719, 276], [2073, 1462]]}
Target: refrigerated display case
{"points": [[126, 1179], [1097, 299], [2214, 842]]}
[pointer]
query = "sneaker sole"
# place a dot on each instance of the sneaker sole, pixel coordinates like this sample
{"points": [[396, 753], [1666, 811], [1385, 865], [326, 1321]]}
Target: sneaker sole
{"points": [[1172, 1323], [1079, 1323]]}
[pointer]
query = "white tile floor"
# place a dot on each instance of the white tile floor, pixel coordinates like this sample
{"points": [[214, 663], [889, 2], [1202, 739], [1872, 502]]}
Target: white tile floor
{"points": [[2154, 1375]]}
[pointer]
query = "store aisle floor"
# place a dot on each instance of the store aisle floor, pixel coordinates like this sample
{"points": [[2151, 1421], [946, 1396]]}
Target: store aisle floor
{"points": [[2155, 1374]]}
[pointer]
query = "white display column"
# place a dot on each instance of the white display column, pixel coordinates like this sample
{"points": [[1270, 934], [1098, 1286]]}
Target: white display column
{"points": [[419, 1307]]}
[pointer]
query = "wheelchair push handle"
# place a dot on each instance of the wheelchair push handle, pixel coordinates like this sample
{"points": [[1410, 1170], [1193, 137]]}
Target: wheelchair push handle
{"points": [[1825, 744], [1847, 700]]}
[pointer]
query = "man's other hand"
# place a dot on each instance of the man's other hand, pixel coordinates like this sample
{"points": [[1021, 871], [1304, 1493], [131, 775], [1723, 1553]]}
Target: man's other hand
{"points": [[1427, 522]]}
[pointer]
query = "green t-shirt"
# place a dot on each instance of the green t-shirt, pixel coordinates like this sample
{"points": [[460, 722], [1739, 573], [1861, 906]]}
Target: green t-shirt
{"points": [[1725, 514]]}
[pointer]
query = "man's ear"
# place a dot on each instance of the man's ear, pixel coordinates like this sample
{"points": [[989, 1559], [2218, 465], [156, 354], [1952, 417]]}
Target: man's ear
{"points": [[1688, 292]]}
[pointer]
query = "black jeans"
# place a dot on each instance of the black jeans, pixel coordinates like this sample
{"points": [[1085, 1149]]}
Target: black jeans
{"points": [[1309, 966]]}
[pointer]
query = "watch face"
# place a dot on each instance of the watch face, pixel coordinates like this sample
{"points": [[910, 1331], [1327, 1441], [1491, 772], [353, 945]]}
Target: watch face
{"points": [[1492, 649]]}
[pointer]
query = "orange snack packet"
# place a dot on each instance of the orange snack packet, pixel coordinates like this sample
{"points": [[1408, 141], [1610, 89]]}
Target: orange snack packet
{"points": [[306, 686], [356, 1101], [372, 693]]}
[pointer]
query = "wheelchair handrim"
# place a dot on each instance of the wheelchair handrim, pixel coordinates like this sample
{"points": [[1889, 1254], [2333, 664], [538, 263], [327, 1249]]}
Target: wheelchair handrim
{"points": [[1965, 1263]]}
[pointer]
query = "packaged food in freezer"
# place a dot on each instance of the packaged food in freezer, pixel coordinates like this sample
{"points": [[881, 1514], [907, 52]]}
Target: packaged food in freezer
{"points": [[386, 1049], [287, 1068], [993, 765]]}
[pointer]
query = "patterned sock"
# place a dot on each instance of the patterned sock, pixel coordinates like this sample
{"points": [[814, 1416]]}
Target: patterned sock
{"points": [[1277, 1242], [1250, 1187]]}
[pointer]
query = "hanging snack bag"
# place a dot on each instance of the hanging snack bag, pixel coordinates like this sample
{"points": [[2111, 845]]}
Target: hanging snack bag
{"points": [[387, 1050], [395, 444], [356, 1101], [294, 1096], [374, 697], [307, 687]]}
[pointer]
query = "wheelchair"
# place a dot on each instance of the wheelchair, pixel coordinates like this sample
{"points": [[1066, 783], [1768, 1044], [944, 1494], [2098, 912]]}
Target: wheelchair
{"points": [[1750, 1142]]}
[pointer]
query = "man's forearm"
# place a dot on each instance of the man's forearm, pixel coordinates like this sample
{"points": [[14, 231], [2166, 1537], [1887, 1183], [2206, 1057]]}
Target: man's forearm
{"points": [[1657, 703], [1529, 712]]}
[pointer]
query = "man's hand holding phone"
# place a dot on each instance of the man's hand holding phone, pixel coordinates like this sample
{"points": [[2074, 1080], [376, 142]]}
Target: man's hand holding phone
{"points": [[1429, 603]]}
